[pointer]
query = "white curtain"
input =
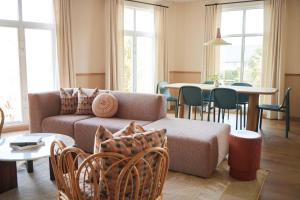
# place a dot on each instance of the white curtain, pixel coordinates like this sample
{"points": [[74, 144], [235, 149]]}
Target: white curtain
{"points": [[273, 69], [114, 33], [161, 57], [62, 10], [211, 53]]}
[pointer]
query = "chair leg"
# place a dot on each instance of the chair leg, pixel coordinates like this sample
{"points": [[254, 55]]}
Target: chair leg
{"points": [[236, 119], [287, 124], [241, 118], [202, 112], [228, 114], [219, 112], [223, 115], [244, 115], [195, 114], [260, 118], [190, 112], [257, 121], [214, 109]]}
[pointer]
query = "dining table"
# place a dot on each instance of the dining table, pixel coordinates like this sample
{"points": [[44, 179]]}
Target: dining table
{"points": [[252, 92]]}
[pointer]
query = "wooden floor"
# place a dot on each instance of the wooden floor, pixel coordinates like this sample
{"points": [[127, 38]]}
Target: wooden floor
{"points": [[279, 155]]}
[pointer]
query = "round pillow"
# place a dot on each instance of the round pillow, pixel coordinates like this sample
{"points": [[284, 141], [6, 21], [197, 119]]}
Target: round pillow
{"points": [[105, 105]]}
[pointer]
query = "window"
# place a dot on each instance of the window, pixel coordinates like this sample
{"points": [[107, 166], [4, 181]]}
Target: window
{"points": [[139, 49], [27, 54], [241, 61]]}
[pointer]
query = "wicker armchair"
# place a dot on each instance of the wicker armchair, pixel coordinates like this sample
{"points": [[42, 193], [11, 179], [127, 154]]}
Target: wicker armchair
{"points": [[1, 120], [113, 176], [64, 163]]}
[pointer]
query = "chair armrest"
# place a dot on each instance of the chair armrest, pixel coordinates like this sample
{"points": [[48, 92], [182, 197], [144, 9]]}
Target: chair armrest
{"points": [[42, 105]]}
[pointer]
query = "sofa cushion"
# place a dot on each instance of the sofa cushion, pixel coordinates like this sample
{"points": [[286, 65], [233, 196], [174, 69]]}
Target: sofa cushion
{"points": [[195, 147], [85, 130], [138, 106], [63, 124]]}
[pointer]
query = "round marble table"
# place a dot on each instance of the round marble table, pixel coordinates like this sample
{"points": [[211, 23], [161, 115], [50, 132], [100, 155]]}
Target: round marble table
{"points": [[8, 157]]}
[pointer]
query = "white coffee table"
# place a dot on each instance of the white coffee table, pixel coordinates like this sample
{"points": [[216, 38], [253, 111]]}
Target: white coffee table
{"points": [[9, 157]]}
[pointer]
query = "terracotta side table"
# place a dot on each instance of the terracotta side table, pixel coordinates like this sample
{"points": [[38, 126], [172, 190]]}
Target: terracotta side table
{"points": [[244, 154]]}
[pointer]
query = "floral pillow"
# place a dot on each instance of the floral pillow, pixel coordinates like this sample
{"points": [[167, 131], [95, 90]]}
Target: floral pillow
{"points": [[85, 102], [68, 101]]}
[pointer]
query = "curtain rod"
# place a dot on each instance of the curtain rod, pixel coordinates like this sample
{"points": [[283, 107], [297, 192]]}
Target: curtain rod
{"points": [[152, 4], [215, 4]]}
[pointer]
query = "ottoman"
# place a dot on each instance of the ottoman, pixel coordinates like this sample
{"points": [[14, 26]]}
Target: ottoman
{"points": [[244, 154], [195, 147]]}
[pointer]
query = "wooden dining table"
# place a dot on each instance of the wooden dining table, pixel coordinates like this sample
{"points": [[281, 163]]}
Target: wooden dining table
{"points": [[253, 92]]}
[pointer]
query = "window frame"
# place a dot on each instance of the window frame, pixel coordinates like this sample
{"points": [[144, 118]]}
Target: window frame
{"points": [[135, 34], [21, 25], [243, 35]]}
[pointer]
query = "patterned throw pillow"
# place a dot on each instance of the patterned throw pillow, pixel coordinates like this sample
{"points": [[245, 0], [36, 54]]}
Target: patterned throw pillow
{"points": [[68, 102], [129, 146], [130, 129], [85, 102], [102, 134]]}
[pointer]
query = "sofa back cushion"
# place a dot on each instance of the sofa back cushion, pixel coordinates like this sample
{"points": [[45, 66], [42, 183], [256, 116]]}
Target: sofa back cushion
{"points": [[138, 106]]}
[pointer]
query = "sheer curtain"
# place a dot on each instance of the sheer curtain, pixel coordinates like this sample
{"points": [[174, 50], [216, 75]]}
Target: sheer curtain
{"points": [[273, 55], [161, 57], [211, 53], [62, 10], [114, 33]]}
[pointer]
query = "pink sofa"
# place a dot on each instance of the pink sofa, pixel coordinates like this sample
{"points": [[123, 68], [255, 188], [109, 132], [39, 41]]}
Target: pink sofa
{"points": [[195, 147]]}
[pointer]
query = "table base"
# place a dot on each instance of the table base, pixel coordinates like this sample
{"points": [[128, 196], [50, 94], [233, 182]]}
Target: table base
{"points": [[8, 174]]}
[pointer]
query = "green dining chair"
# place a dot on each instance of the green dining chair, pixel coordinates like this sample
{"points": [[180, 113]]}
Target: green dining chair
{"points": [[162, 89], [284, 107], [225, 99], [192, 97], [243, 99]]}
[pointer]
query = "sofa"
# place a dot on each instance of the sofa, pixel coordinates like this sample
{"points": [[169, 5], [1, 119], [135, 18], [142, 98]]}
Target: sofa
{"points": [[195, 147]]}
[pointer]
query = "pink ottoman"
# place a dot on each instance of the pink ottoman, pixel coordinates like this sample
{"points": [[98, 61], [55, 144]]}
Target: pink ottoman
{"points": [[244, 154]]}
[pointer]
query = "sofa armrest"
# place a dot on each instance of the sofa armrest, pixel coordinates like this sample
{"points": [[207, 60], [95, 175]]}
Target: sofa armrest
{"points": [[42, 105]]}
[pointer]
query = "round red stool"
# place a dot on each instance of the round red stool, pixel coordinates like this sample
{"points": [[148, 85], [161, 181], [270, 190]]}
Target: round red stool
{"points": [[244, 154]]}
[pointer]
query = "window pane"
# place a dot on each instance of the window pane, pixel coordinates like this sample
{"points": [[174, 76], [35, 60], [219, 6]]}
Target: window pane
{"points": [[253, 60], [254, 21], [129, 19], [144, 21], [230, 60], [128, 64], [39, 60], [145, 65], [9, 9], [10, 96], [232, 22], [38, 11]]}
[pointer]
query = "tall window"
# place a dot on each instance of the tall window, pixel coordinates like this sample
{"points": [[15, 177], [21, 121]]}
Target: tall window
{"points": [[243, 27], [27, 54], [139, 49]]}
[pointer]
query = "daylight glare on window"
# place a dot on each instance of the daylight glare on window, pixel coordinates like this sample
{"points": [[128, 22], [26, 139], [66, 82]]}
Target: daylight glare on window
{"points": [[241, 61]]}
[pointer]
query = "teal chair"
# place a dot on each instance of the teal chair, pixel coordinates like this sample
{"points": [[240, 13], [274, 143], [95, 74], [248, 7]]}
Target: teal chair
{"points": [[284, 107], [192, 96], [225, 99], [162, 89], [243, 99]]}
